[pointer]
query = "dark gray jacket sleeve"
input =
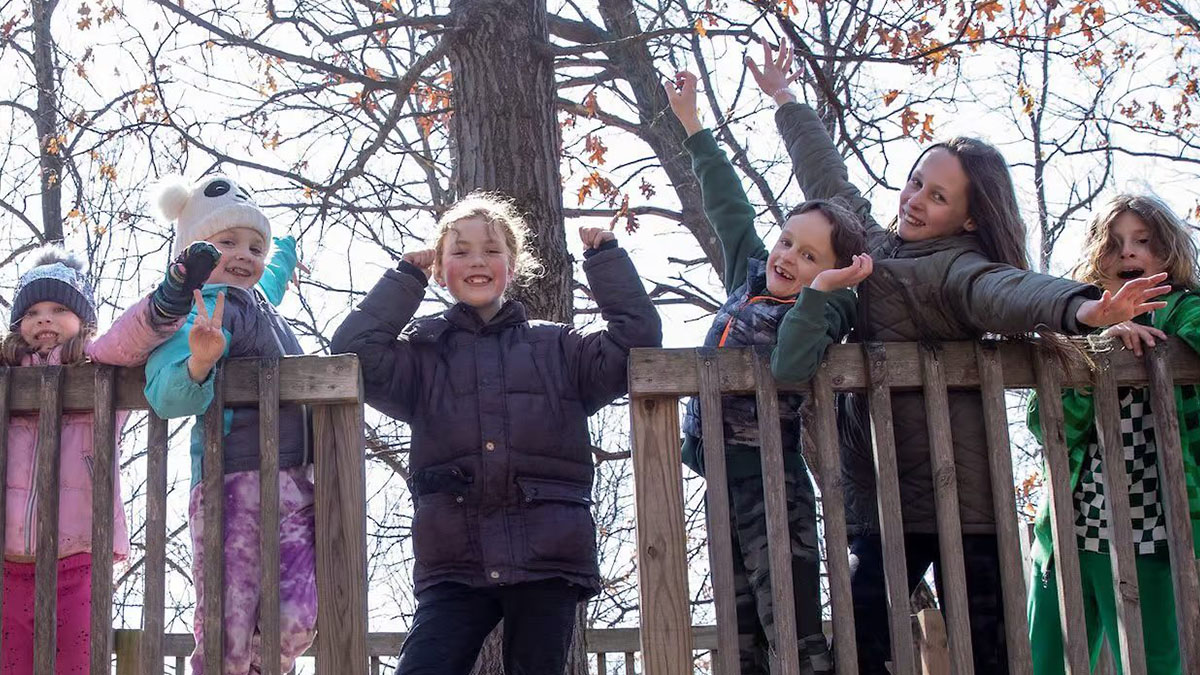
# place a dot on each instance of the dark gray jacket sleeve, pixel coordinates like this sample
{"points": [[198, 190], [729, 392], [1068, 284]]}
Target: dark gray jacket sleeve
{"points": [[389, 367], [998, 298], [599, 360], [819, 167]]}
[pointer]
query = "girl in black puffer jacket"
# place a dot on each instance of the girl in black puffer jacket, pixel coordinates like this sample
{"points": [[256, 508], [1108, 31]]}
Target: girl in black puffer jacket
{"points": [[501, 459]]}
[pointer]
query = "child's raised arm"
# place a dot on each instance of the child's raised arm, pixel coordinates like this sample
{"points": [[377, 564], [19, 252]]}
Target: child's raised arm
{"points": [[372, 332], [599, 360], [725, 202], [816, 162], [279, 270]]}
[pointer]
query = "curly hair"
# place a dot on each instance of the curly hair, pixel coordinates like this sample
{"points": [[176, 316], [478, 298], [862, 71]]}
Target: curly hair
{"points": [[1170, 240], [501, 214]]}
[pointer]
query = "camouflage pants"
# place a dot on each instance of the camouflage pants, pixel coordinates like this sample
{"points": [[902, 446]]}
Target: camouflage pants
{"points": [[751, 576]]}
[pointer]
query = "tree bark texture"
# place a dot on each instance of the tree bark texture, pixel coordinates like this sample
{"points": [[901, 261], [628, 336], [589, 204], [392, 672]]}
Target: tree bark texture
{"points": [[47, 119], [506, 133]]}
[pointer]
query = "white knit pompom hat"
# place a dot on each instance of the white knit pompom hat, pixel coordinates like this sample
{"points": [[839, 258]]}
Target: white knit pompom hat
{"points": [[212, 204]]}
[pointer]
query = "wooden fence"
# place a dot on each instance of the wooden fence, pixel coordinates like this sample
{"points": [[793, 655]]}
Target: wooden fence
{"points": [[659, 378], [330, 385]]}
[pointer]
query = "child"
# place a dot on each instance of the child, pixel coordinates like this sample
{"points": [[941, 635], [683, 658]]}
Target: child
{"points": [[501, 457], [1134, 235], [797, 299], [237, 318], [953, 267], [53, 322]]}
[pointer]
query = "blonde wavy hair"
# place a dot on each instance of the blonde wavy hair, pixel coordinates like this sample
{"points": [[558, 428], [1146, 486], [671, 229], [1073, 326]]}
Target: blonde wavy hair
{"points": [[501, 214], [14, 348], [1170, 240]]}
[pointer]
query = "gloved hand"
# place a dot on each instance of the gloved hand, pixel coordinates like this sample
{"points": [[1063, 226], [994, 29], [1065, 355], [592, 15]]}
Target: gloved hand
{"points": [[173, 297]]}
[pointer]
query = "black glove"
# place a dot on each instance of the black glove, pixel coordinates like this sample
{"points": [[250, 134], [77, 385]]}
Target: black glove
{"points": [[173, 297]]}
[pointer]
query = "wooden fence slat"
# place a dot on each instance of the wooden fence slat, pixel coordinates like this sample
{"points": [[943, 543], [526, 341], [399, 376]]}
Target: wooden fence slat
{"points": [[4, 400], [630, 666], [930, 627], [891, 522], [602, 663], [1174, 492], [268, 445], [779, 539], [667, 372], [1120, 526], [45, 613], [1062, 511], [1008, 536], [104, 469], [341, 531], [213, 538], [720, 540], [666, 641], [833, 509], [127, 644], [949, 523], [155, 566]]}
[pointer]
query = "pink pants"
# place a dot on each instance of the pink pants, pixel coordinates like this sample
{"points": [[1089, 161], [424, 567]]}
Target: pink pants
{"points": [[74, 616]]}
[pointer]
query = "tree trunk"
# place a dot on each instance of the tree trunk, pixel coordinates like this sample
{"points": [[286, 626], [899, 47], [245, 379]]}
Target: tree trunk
{"points": [[506, 138], [506, 134], [47, 119]]}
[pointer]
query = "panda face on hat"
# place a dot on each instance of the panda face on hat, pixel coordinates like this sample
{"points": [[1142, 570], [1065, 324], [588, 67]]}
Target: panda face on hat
{"points": [[213, 204]]}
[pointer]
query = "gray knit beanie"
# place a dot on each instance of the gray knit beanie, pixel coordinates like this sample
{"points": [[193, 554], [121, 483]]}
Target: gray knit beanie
{"points": [[56, 276]]}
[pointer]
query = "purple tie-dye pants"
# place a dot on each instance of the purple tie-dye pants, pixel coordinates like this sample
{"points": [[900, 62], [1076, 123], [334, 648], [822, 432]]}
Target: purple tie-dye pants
{"points": [[297, 569]]}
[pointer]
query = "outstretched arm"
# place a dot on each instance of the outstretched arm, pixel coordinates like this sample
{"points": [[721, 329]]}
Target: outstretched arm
{"points": [[279, 269]]}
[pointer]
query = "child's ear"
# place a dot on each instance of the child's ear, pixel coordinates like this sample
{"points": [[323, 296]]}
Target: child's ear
{"points": [[969, 226]]}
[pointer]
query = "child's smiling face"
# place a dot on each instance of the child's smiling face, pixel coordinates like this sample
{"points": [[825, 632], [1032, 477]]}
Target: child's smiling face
{"points": [[1132, 252], [934, 202], [46, 324], [243, 257], [476, 265], [804, 250]]}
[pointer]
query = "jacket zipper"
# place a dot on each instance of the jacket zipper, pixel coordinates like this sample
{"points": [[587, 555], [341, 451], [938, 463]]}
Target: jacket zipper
{"points": [[734, 316]]}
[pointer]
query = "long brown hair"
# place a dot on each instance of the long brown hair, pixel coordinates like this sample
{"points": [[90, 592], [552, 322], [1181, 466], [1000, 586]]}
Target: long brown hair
{"points": [[991, 200], [1170, 240], [14, 348]]}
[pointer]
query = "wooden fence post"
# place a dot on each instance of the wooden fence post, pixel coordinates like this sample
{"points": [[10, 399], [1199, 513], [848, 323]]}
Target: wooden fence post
{"points": [[45, 613]]}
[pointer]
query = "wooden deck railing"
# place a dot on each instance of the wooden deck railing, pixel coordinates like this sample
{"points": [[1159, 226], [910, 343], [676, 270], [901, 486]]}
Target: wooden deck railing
{"points": [[659, 378], [330, 385]]}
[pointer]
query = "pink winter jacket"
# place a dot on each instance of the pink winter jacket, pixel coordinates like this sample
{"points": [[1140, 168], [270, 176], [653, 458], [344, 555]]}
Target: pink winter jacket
{"points": [[128, 343]]}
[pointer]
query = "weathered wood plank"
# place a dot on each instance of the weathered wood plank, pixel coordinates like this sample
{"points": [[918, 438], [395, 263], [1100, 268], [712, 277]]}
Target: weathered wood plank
{"points": [[833, 510], [302, 379], [668, 372], [341, 497], [949, 523], [720, 541], [1174, 493], [602, 663], [930, 628], [213, 536], [154, 613], [1008, 536], [891, 523], [45, 613], [1120, 526], [666, 642], [4, 399], [104, 472], [127, 644], [1062, 511], [630, 666], [779, 539], [268, 444]]}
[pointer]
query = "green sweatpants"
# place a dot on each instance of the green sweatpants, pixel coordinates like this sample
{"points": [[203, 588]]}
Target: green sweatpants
{"points": [[1100, 613]]}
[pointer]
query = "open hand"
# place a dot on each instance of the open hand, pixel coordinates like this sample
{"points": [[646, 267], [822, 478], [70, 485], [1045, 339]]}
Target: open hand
{"points": [[593, 237], [422, 260], [206, 341], [773, 78], [1134, 335], [300, 267], [860, 268], [1134, 298], [681, 93]]}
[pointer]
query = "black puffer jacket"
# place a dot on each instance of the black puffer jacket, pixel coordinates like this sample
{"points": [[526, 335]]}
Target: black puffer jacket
{"points": [[501, 456], [937, 289]]}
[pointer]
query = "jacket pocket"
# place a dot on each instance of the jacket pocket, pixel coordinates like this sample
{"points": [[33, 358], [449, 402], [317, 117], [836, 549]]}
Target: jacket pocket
{"points": [[440, 531], [559, 530]]}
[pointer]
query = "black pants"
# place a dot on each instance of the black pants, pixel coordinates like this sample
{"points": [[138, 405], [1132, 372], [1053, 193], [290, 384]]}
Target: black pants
{"points": [[984, 603], [452, 621]]}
